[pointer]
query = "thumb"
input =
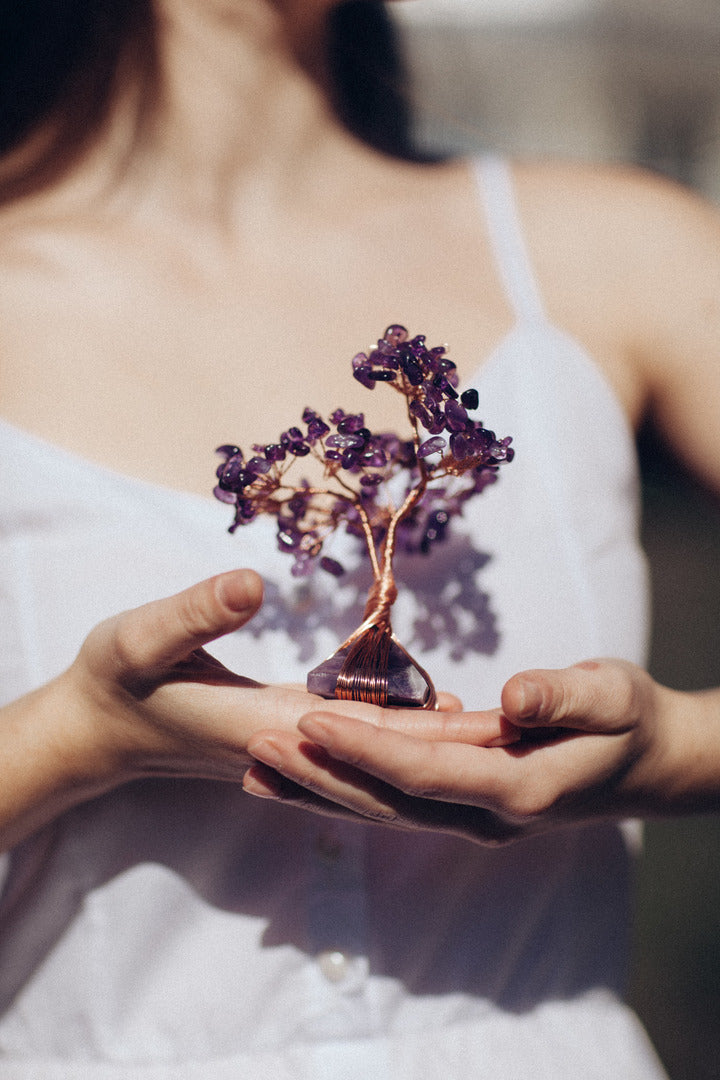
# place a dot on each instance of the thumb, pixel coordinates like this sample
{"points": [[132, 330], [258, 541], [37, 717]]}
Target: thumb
{"points": [[592, 696], [148, 641]]}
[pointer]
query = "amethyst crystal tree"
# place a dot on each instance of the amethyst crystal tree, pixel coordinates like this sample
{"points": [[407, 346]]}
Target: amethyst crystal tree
{"points": [[448, 458]]}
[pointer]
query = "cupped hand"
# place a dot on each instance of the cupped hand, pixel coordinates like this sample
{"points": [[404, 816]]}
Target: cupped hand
{"points": [[584, 742], [153, 701]]}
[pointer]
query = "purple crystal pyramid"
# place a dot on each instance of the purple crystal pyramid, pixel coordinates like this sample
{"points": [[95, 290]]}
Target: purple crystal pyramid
{"points": [[374, 668]]}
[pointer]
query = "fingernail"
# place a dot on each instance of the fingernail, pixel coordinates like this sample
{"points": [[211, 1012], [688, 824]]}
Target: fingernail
{"points": [[262, 786], [507, 739], [265, 751], [238, 592], [313, 728], [529, 699]]}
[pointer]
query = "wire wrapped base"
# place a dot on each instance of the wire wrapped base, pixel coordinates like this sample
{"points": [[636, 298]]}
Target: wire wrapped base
{"points": [[374, 667]]}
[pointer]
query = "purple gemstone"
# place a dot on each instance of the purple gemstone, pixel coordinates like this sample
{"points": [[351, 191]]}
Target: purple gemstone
{"points": [[389, 442], [351, 423], [259, 466], [317, 428], [299, 449], [412, 370], [362, 374], [456, 416], [289, 539], [502, 451], [420, 413], [374, 459], [408, 686], [437, 424], [470, 399], [332, 566], [478, 441], [224, 496], [431, 446], [345, 442], [228, 451], [458, 446], [245, 511], [275, 452], [370, 480], [395, 334], [297, 504], [234, 476]]}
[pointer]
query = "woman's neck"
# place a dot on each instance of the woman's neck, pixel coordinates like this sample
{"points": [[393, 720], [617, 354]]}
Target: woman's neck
{"points": [[242, 118], [236, 97]]}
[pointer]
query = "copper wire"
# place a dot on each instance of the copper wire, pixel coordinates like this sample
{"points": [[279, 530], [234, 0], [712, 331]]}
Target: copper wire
{"points": [[364, 673]]}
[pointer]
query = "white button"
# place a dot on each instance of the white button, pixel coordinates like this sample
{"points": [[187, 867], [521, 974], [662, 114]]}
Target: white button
{"points": [[334, 965]]}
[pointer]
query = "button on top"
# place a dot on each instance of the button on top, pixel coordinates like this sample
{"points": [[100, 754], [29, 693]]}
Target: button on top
{"points": [[333, 964]]}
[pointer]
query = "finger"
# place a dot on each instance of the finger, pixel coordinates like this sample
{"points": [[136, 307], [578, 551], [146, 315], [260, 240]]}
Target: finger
{"points": [[359, 756], [355, 802], [148, 641], [306, 776], [372, 771], [448, 702], [267, 783], [490, 728], [594, 696]]}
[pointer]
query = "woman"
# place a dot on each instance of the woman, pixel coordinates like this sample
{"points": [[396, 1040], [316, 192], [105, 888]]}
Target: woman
{"points": [[200, 278]]}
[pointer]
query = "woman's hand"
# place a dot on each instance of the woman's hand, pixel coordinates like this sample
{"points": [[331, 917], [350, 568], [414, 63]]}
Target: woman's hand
{"points": [[157, 702], [142, 698], [600, 739]]}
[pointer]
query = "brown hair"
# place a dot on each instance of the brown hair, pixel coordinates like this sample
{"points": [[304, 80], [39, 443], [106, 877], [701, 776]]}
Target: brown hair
{"points": [[63, 62]]}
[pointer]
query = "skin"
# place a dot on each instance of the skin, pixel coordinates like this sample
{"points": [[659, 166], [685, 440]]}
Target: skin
{"points": [[247, 197]]}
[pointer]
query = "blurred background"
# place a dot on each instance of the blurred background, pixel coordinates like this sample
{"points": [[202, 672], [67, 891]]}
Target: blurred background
{"points": [[629, 81]]}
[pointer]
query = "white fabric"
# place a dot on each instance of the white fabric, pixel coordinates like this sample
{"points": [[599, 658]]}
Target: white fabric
{"points": [[180, 929]]}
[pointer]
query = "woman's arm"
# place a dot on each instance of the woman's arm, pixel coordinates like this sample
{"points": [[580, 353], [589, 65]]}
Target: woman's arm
{"points": [[126, 706]]}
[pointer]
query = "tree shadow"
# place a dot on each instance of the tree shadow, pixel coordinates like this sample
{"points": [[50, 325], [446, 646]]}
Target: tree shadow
{"points": [[448, 606]]}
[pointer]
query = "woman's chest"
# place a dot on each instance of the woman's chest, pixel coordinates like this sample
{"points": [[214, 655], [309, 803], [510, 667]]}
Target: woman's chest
{"points": [[150, 381]]}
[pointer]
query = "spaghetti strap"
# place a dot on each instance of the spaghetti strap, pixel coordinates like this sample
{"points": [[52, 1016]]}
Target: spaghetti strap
{"points": [[507, 240]]}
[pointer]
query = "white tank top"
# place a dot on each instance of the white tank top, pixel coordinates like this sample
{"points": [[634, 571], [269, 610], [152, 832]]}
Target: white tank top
{"points": [[181, 929]]}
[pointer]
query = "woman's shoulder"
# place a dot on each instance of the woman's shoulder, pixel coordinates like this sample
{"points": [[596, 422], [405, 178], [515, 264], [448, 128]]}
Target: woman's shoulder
{"points": [[620, 208], [629, 261], [635, 259]]}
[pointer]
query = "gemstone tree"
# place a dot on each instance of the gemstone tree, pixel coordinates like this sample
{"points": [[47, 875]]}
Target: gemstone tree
{"points": [[448, 458]]}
